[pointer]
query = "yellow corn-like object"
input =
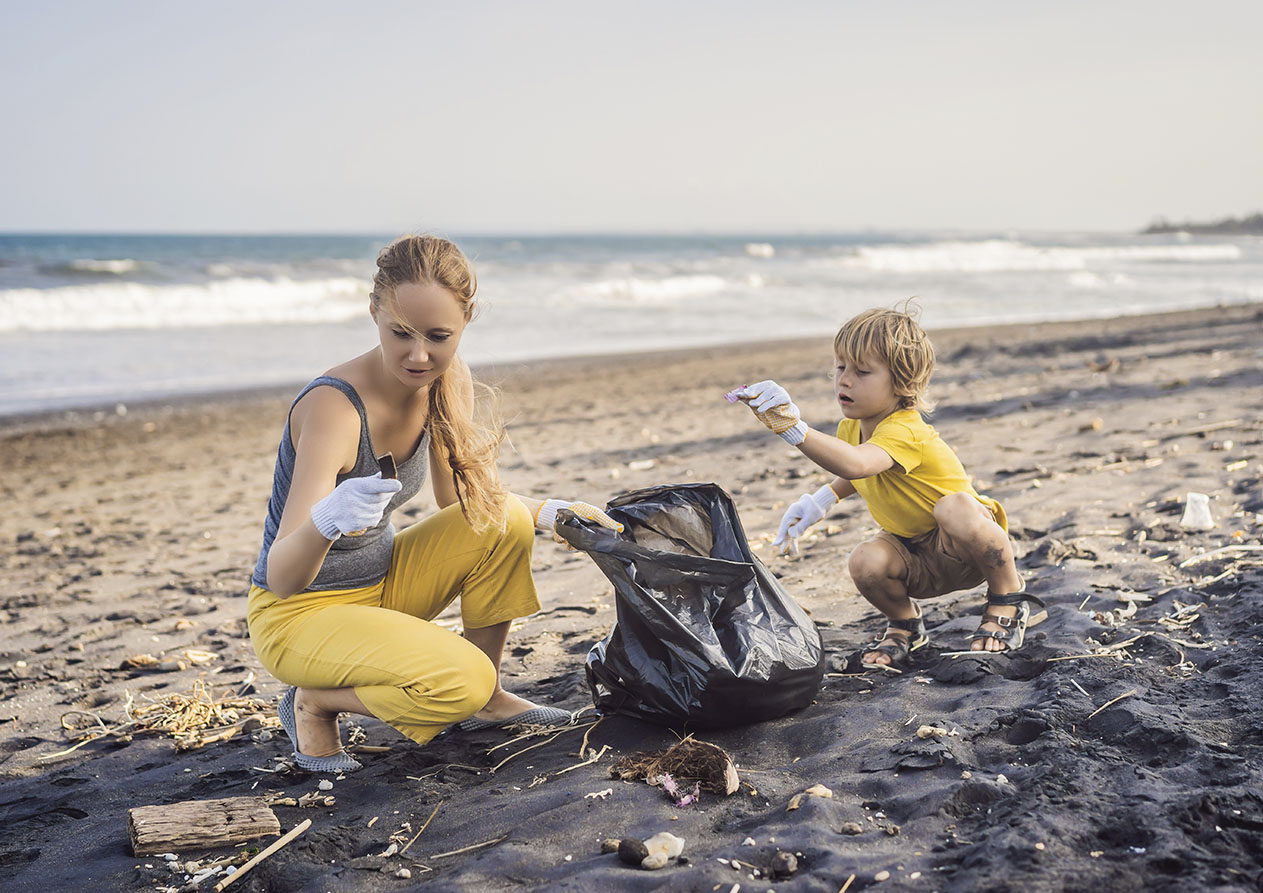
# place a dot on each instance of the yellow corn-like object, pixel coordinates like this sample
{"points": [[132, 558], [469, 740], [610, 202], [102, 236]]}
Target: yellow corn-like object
{"points": [[592, 513]]}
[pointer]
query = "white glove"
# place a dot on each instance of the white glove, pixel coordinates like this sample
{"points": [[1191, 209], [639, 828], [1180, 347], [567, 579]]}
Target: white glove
{"points": [[355, 505], [772, 406], [546, 517], [809, 509]]}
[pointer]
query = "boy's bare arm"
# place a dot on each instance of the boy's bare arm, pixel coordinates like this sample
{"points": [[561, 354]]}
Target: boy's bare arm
{"points": [[848, 462], [842, 488]]}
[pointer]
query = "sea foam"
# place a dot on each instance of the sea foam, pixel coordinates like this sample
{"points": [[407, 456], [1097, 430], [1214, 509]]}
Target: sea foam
{"points": [[999, 255], [134, 305]]}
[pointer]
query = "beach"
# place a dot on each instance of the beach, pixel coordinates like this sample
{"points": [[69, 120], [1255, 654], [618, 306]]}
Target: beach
{"points": [[1122, 747]]}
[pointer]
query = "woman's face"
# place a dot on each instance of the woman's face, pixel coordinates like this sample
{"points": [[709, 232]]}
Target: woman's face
{"points": [[435, 316]]}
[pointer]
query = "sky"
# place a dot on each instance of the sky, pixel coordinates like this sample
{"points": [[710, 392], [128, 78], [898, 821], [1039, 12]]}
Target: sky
{"points": [[515, 116]]}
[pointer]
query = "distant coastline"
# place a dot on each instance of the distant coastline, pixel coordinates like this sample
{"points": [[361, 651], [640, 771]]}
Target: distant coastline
{"points": [[1249, 226]]}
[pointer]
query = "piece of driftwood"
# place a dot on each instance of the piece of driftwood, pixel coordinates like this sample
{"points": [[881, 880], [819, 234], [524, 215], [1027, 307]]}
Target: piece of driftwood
{"points": [[249, 866], [199, 824]]}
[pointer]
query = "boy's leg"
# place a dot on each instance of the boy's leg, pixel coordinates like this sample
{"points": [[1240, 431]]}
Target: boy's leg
{"points": [[969, 532], [881, 576]]}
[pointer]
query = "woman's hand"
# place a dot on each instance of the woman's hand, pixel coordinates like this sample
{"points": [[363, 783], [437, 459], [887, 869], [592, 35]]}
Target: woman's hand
{"points": [[772, 406], [355, 505], [546, 516]]}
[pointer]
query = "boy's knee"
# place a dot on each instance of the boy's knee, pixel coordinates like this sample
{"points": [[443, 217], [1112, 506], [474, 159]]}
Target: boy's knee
{"points": [[957, 511], [871, 561]]}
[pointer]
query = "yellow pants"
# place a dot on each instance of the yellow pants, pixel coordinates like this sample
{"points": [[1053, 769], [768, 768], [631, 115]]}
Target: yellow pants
{"points": [[378, 639]]}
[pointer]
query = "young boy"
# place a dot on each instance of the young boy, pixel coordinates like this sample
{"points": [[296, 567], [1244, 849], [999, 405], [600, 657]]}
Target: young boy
{"points": [[938, 534]]}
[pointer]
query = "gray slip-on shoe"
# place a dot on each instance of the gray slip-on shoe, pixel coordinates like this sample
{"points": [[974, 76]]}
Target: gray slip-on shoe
{"points": [[539, 716], [339, 762]]}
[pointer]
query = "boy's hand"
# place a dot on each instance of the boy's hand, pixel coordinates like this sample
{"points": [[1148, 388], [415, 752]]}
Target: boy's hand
{"points": [[771, 405], [808, 510]]}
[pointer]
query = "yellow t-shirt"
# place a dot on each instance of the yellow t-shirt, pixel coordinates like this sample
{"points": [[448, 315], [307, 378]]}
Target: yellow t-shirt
{"points": [[901, 498]]}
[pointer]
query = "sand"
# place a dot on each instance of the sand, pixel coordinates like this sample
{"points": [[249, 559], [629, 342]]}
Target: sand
{"points": [[1122, 747]]}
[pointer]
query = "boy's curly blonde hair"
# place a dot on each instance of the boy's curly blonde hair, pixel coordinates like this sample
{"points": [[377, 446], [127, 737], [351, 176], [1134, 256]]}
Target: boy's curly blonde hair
{"points": [[895, 338]]}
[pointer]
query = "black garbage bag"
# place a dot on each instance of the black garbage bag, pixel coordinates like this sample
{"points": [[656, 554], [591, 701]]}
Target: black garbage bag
{"points": [[705, 635]]}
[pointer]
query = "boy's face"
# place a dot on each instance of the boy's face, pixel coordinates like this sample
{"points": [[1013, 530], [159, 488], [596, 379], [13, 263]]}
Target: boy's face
{"points": [[864, 389]]}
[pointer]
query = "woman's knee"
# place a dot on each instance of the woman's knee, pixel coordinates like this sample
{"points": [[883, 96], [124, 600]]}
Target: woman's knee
{"points": [[520, 526], [460, 693]]}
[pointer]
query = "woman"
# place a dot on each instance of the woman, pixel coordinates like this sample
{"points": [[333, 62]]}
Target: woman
{"points": [[340, 605]]}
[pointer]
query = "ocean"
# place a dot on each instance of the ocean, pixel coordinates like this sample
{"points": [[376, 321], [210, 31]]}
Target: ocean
{"points": [[92, 321]]}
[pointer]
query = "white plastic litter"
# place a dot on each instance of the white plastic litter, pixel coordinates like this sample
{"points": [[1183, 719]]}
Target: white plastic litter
{"points": [[1197, 512]]}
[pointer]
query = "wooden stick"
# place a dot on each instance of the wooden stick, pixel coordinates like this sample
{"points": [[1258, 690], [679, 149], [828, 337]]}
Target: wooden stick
{"points": [[584, 745], [284, 841], [423, 827], [1077, 656], [1111, 703], [466, 849], [847, 885], [596, 755], [525, 749], [1223, 551]]}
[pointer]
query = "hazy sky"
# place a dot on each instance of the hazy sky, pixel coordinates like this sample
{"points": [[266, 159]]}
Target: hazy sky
{"points": [[520, 116]]}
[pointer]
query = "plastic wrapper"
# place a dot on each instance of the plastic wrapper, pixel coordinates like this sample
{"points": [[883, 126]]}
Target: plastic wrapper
{"points": [[705, 635]]}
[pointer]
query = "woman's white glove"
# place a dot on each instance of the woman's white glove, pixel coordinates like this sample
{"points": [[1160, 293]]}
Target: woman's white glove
{"points": [[355, 505], [809, 509], [546, 517], [772, 406]]}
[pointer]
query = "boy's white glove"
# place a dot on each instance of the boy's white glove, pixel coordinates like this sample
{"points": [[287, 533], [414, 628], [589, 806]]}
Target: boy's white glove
{"points": [[808, 510], [355, 505], [546, 517], [772, 406]]}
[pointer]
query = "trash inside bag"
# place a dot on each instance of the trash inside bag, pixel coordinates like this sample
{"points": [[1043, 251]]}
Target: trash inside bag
{"points": [[705, 635]]}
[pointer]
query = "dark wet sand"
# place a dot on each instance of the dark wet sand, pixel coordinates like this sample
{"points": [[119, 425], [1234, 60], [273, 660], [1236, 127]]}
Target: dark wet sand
{"points": [[134, 534]]}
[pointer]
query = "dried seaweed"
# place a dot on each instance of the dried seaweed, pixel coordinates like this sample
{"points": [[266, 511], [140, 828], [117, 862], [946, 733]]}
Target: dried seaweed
{"points": [[686, 760]]}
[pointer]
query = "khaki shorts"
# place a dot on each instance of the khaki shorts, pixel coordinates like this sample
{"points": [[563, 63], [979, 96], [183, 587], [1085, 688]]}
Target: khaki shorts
{"points": [[932, 570]]}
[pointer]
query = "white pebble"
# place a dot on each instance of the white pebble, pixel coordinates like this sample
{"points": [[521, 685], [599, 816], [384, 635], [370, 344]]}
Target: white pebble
{"points": [[749, 841], [403, 873], [325, 785]]}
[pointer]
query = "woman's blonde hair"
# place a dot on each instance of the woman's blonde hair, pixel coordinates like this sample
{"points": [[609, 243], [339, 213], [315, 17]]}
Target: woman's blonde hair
{"points": [[465, 429], [895, 338]]}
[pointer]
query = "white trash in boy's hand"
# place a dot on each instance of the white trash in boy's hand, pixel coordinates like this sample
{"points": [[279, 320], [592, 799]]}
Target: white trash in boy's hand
{"points": [[806, 511]]}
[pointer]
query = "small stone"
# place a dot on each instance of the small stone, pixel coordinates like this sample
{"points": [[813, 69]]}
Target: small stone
{"points": [[852, 828], [654, 861], [325, 785], [403, 874], [666, 843], [1040, 846], [749, 841], [882, 876], [610, 845], [931, 732], [784, 864], [632, 851]]}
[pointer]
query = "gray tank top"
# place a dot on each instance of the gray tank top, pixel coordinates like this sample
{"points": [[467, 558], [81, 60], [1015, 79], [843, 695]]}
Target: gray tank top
{"points": [[353, 561]]}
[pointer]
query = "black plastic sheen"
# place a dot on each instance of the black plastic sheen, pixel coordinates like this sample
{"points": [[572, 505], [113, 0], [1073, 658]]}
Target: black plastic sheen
{"points": [[705, 635]]}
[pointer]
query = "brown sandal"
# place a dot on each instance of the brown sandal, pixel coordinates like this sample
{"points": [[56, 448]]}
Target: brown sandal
{"points": [[908, 635], [1012, 632]]}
